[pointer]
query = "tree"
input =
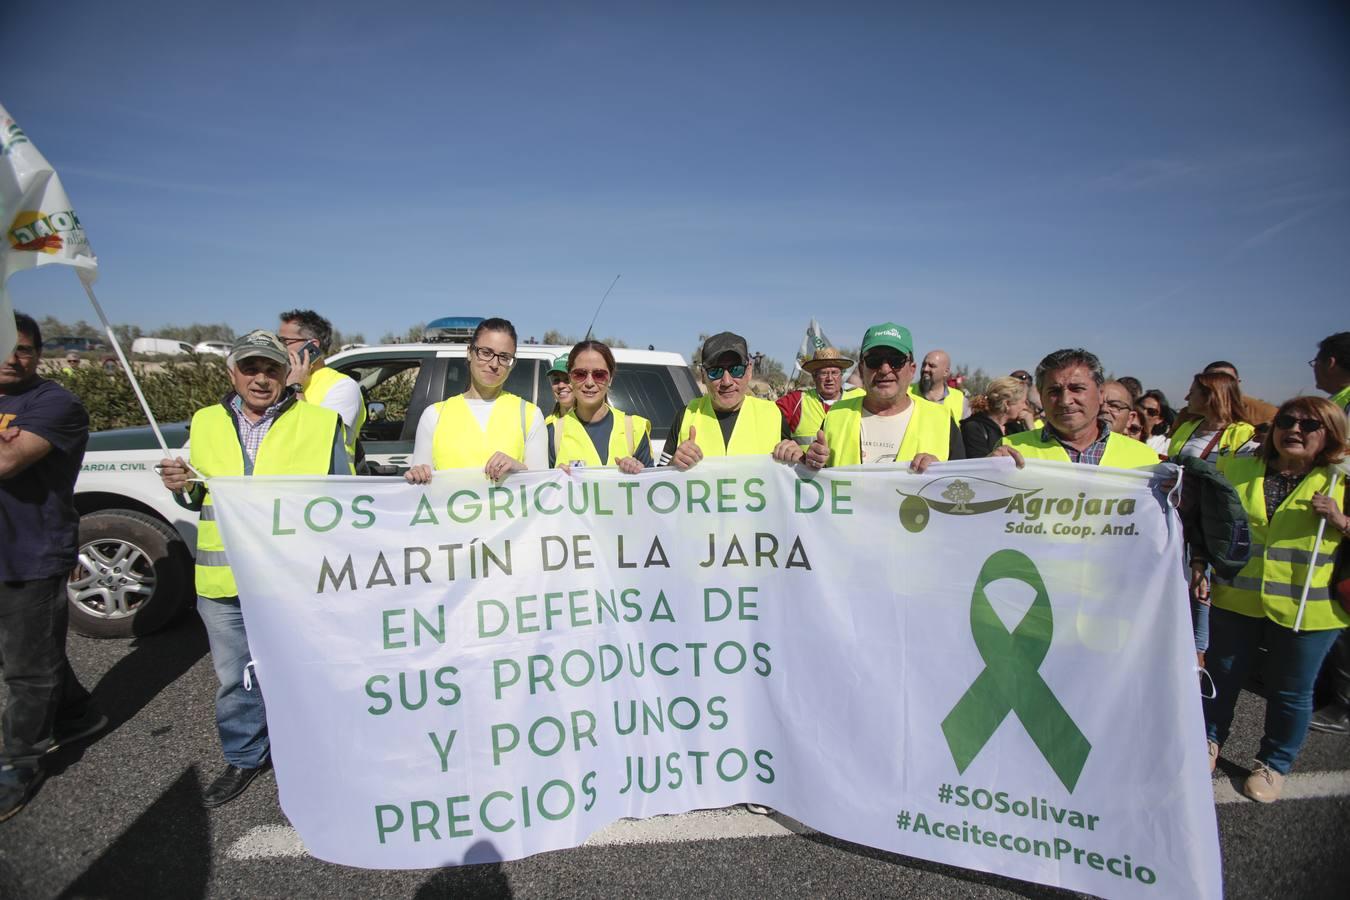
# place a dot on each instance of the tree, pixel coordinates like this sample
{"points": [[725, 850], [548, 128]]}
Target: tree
{"points": [[975, 383]]}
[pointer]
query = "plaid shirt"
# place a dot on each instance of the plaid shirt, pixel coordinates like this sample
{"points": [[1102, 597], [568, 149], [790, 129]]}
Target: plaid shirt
{"points": [[1092, 456], [251, 434]]}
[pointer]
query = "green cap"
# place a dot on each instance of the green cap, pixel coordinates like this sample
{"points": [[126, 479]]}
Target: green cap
{"points": [[888, 334], [559, 366]]}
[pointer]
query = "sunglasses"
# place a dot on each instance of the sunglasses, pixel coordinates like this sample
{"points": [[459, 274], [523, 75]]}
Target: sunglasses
{"points": [[894, 360], [715, 372], [1287, 422], [1152, 410], [599, 376]]}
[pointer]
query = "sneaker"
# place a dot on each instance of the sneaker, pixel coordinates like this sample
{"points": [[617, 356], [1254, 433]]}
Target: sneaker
{"points": [[1264, 784], [18, 784], [75, 730], [757, 809], [1213, 756]]}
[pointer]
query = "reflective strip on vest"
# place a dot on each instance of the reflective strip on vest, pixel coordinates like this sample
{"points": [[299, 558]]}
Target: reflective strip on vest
{"points": [[298, 442], [459, 442]]}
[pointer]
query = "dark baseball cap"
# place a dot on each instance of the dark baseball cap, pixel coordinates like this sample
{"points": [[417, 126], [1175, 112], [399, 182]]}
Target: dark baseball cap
{"points": [[719, 345]]}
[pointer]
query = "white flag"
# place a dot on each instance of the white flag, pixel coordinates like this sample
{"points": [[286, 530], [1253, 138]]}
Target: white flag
{"points": [[40, 224]]}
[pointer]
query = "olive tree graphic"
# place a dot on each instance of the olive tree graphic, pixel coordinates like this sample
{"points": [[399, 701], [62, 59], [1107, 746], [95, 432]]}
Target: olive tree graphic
{"points": [[959, 493]]}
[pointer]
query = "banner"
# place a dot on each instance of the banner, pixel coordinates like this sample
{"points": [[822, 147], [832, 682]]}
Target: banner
{"points": [[982, 666], [40, 224]]}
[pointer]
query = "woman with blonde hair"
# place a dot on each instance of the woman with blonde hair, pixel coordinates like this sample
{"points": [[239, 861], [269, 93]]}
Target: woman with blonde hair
{"points": [[1004, 401], [1287, 490]]}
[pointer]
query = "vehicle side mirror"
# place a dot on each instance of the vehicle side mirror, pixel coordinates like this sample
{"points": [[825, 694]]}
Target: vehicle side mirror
{"points": [[375, 411]]}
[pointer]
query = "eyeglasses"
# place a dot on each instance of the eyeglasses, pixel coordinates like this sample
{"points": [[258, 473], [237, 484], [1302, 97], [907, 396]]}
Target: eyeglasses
{"points": [[292, 340], [1025, 379], [715, 372], [894, 360], [599, 376], [1117, 405], [1287, 422], [485, 354]]}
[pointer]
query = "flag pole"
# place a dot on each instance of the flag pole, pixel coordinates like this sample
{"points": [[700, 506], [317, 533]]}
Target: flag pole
{"points": [[117, 348], [1312, 564]]}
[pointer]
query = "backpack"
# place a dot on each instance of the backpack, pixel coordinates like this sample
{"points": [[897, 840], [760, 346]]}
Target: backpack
{"points": [[1213, 519]]}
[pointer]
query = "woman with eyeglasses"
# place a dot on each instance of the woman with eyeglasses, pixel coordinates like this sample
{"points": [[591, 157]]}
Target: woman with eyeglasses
{"points": [[593, 433], [1286, 489], [484, 427], [563, 396]]}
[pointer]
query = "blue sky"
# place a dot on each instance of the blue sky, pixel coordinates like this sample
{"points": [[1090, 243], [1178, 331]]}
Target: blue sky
{"points": [[1162, 183]]}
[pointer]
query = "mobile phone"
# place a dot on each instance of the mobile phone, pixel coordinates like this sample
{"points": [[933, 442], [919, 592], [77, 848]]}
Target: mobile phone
{"points": [[309, 350]]}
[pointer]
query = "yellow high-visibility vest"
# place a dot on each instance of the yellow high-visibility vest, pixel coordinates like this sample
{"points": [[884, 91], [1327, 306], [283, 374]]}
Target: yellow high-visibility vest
{"points": [[758, 429], [813, 414], [321, 381], [1233, 438], [929, 431], [1271, 583], [298, 442], [954, 402], [571, 441], [1121, 452], [460, 443]]}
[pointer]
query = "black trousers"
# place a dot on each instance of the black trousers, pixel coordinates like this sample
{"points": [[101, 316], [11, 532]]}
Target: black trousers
{"points": [[42, 686]]}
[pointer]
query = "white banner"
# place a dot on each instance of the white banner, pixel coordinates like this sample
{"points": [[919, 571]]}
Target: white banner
{"points": [[981, 666]]}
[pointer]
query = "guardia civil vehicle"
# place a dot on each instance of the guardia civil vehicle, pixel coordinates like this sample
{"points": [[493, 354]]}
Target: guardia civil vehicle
{"points": [[136, 543]]}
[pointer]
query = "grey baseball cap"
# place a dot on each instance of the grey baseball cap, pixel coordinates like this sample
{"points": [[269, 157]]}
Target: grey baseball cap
{"points": [[261, 344], [721, 344]]}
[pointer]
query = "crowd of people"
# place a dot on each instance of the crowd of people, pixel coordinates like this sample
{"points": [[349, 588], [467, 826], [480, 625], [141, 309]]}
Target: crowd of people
{"points": [[288, 413]]}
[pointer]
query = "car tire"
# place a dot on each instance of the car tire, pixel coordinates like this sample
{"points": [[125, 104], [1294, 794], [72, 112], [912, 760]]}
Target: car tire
{"points": [[133, 575]]}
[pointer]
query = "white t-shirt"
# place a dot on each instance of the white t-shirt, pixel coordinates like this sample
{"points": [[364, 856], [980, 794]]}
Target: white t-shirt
{"points": [[1198, 442], [344, 398], [536, 442], [883, 435], [1159, 443]]}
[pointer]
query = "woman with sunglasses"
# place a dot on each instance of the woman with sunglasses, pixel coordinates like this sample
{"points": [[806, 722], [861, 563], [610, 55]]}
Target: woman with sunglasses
{"points": [[484, 427], [1286, 490], [563, 397], [593, 433]]}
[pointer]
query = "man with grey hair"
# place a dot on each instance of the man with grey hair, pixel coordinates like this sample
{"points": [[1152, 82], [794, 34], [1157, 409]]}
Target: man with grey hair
{"points": [[308, 337], [1070, 384], [1116, 406], [258, 428]]}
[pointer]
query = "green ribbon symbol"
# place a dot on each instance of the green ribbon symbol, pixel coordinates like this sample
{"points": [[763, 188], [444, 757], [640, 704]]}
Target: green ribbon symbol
{"points": [[1010, 681]]}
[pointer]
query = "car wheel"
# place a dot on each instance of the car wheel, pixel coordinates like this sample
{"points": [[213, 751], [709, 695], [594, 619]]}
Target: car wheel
{"points": [[132, 575]]}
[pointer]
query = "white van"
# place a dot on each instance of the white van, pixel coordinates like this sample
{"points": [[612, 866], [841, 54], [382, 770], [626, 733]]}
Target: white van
{"points": [[161, 346], [214, 348]]}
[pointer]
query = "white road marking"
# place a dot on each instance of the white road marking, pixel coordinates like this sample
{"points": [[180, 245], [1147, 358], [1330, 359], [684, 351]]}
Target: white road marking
{"points": [[275, 841]]}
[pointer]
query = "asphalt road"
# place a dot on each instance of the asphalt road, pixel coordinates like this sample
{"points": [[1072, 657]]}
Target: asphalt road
{"points": [[120, 817]]}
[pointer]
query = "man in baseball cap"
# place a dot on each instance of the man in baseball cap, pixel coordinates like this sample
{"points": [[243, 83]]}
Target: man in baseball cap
{"points": [[887, 424], [725, 421], [258, 428]]}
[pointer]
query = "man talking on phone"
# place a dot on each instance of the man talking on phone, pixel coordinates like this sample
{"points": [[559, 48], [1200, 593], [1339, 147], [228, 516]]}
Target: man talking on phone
{"points": [[308, 337]]}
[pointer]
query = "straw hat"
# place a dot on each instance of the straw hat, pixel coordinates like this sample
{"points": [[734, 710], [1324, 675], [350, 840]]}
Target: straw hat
{"points": [[824, 357]]}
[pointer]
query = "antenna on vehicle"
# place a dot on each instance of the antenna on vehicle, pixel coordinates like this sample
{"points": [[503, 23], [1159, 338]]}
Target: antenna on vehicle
{"points": [[591, 327]]}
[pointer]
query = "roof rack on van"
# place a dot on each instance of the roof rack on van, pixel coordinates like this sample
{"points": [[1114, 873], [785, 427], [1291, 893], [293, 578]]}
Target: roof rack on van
{"points": [[451, 329]]}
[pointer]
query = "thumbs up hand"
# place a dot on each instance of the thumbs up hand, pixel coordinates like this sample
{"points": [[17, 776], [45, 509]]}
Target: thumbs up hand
{"points": [[818, 454], [688, 454]]}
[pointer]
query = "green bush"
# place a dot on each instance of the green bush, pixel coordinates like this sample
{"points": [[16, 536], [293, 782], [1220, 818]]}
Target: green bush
{"points": [[174, 391]]}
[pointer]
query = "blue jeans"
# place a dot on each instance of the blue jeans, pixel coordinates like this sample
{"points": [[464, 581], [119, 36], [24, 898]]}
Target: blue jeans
{"points": [[241, 717], [42, 688], [1200, 625], [1292, 661]]}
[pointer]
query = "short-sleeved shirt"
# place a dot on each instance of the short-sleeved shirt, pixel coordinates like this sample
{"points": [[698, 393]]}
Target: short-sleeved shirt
{"points": [[39, 527]]}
